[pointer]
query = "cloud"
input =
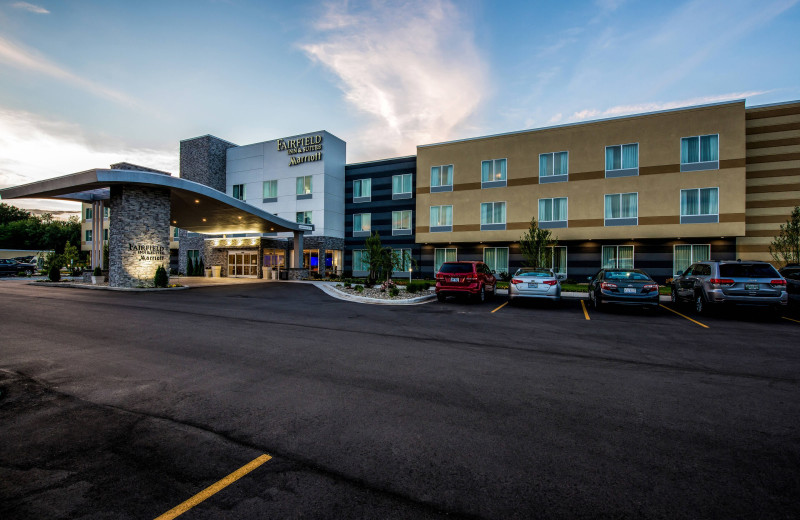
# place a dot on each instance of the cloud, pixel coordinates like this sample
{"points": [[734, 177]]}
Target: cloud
{"points": [[30, 7], [33, 148], [621, 110], [18, 56], [412, 67]]}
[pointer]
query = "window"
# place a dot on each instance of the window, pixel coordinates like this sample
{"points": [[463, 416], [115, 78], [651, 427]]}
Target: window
{"points": [[493, 173], [359, 260], [89, 213], [238, 191], [192, 255], [401, 222], [303, 217], [493, 216], [401, 186], [553, 167], [441, 218], [686, 255], [553, 213], [700, 152], [558, 260], [304, 187], [105, 212], [270, 193], [105, 234], [617, 257], [700, 206], [442, 178], [622, 209], [406, 261], [443, 255], [496, 258], [362, 190], [176, 233], [362, 224], [622, 160], [88, 235]]}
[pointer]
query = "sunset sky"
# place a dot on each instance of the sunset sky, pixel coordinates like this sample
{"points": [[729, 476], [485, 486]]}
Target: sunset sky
{"points": [[87, 83]]}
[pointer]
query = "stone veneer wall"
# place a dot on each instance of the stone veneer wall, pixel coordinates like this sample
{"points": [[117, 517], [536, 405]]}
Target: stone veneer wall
{"points": [[185, 242], [139, 216], [203, 159]]}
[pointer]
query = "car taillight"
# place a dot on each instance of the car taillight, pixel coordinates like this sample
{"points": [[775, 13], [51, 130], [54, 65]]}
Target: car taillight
{"points": [[651, 287], [608, 286], [549, 282], [777, 282], [439, 276], [721, 281], [515, 281], [471, 279]]}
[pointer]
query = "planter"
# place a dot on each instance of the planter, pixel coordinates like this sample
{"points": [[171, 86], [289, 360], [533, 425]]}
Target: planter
{"points": [[216, 270], [208, 272], [98, 279]]}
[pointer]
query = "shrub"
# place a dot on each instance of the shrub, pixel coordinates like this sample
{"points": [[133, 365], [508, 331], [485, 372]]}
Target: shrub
{"points": [[54, 274], [98, 271], [347, 284], [22, 274], [200, 269], [189, 267], [394, 291], [504, 276], [161, 279], [388, 284], [359, 288]]}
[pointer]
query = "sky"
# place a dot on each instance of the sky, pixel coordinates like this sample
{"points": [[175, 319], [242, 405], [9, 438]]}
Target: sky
{"points": [[85, 83]]}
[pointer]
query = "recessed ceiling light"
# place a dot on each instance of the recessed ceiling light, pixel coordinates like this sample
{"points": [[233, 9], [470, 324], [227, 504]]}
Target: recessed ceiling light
{"points": [[197, 201], [204, 220]]}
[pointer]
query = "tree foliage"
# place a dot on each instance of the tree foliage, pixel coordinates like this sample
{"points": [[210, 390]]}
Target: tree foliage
{"points": [[536, 246], [785, 248], [20, 229], [382, 260]]}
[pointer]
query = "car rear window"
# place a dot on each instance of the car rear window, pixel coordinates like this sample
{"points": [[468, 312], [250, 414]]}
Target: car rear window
{"points": [[535, 274], [625, 275], [738, 270], [456, 268]]}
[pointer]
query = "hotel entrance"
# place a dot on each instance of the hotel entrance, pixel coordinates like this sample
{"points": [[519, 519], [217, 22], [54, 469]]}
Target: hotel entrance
{"points": [[243, 264]]}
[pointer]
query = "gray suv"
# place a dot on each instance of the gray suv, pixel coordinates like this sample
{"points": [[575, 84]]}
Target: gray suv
{"points": [[732, 281]]}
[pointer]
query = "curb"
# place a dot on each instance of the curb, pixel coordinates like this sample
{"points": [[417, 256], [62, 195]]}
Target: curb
{"points": [[328, 289], [106, 288]]}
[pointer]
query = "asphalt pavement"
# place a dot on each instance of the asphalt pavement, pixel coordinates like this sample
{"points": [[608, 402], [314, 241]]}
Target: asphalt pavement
{"points": [[125, 405]]}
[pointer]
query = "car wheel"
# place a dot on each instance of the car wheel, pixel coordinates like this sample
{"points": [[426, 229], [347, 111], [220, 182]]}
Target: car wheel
{"points": [[482, 294], [700, 306], [598, 302], [441, 297], [673, 295]]}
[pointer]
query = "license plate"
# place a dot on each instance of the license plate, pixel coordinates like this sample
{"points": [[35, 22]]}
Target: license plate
{"points": [[533, 285], [751, 286], [630, 290], [453, 279]]}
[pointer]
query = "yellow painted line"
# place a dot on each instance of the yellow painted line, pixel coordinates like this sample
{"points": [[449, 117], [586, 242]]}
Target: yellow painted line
{"points": [[790, 319], [497, 309], [683, 316], [585, 313], [214, 488]]}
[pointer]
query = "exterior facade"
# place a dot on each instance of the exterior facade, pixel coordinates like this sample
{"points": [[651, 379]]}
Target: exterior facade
{"points": [[380, 197]]}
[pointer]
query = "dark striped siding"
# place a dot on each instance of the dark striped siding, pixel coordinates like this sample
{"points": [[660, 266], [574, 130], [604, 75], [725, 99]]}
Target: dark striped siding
{"points": [[381, 205]]}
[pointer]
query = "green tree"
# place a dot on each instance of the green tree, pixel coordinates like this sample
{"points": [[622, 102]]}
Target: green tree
{"points": [[9, 213], [785, 248], [189, 267], [373, 253], [535, 245], [71, 254]]}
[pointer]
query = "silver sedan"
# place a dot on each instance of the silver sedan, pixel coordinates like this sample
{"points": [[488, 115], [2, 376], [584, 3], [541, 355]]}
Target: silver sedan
{"points": [[534, 283]]}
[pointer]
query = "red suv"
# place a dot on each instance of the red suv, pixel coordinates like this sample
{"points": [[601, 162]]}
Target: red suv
{"points": [[471, 279]]}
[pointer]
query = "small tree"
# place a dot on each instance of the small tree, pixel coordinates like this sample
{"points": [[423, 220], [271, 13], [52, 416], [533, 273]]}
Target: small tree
{"points": [[71, 255], [535, 245], [373, 256], [161, 279], [54, 273], [785, 248], [201, 268], [189, 267]]}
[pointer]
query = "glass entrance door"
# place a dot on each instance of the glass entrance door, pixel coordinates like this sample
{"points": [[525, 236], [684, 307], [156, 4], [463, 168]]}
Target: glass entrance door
{"points": [[243, 264]]}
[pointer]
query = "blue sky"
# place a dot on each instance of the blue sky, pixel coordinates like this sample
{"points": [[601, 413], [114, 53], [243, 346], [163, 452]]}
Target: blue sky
{"points": [[87, 83]]}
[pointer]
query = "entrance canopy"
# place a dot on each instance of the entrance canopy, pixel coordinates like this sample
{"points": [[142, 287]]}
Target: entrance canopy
{"points": [[193, 206]]}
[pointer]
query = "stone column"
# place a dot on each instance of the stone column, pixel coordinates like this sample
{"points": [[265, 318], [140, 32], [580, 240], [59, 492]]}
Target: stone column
{"points": [[97, 233], [139, 242], [298, 249]]}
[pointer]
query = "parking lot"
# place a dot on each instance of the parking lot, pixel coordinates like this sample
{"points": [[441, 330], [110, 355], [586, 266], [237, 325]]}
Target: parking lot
{"points": [[274, 400]]}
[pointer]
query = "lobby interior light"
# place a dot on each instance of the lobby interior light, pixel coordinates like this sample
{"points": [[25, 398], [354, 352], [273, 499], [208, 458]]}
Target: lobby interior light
{"points": [[197, 201], [204, 220]]}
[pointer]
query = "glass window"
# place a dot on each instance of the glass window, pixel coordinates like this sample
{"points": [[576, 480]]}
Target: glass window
{"points": [[553, 209], [553, 164], [401, 184], [105, 211], [442, 255], [270, 189], [304, 185], [496, 258], [442, 175], [401, 219], [89, 213], [622, 156], [176, 233], [559, 259], [617, 257], [493, 213], [686, 255], [359, 260], [362, 188], [88, 235], [238, 191], [702, 201], [362, 221], [303, 217], [494, 170], [441, 216], [193, 255], [702, 148], [622, 205], [105, 234], [405, 259]]}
